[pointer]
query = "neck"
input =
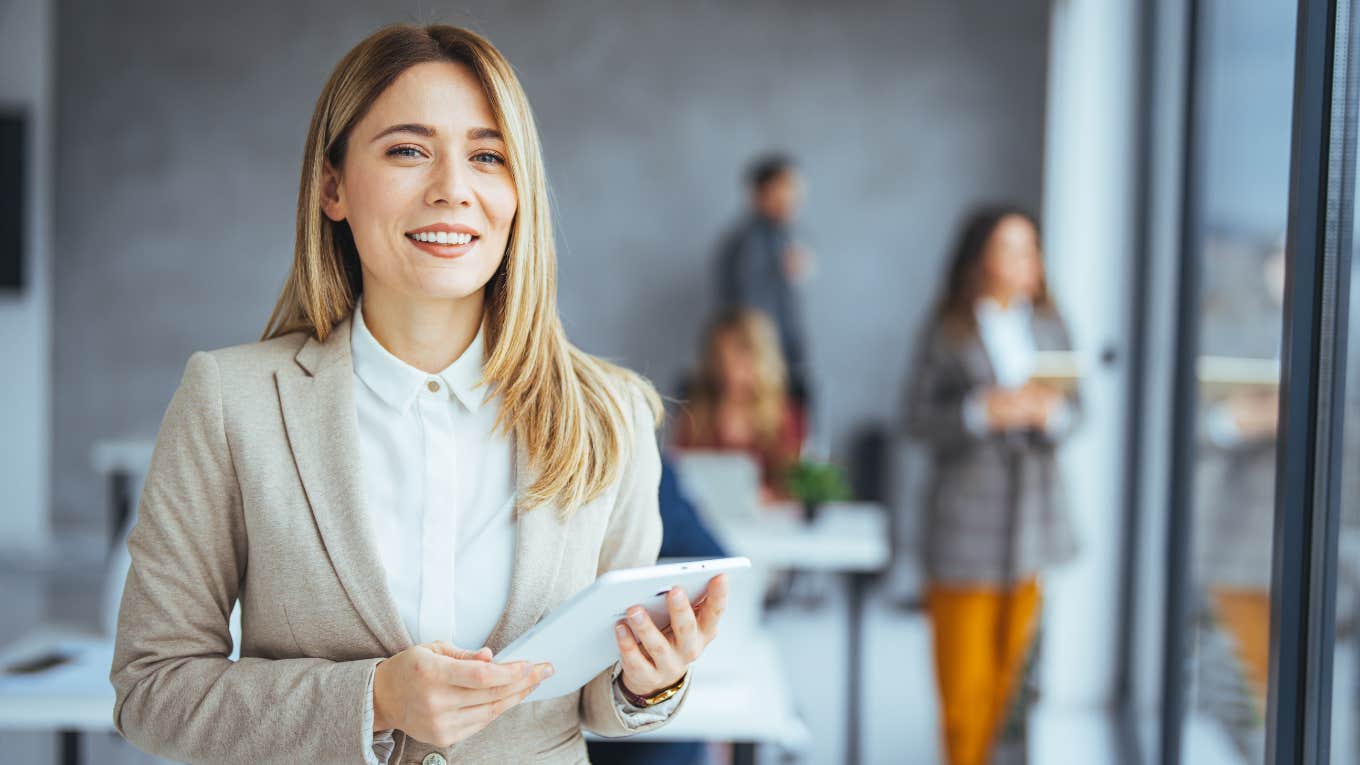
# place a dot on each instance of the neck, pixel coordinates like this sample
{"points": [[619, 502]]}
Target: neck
{"points": [[1002, 298], [427, 334]]}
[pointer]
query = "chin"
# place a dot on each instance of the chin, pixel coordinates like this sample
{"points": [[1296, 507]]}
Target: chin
{"points": [[451, 289]]}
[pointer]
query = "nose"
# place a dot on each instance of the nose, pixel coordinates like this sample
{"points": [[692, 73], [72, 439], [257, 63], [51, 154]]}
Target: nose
{"points": [[449, 185]]}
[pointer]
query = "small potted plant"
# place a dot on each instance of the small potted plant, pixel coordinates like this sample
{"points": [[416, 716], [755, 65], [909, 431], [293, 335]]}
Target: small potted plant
{"points": [[814, 484]]}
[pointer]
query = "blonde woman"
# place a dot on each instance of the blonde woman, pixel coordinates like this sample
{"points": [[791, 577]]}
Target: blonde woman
{"points": [[408, 471], [740, 399]]}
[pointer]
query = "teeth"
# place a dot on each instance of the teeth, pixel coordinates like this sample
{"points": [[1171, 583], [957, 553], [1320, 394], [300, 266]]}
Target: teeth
{"points": [[442, 237]]}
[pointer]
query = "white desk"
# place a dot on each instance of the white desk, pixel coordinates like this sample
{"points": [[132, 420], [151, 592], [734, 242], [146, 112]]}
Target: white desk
{"points": [[851, 538], [845, 537], [73, 696], [70, 699]]}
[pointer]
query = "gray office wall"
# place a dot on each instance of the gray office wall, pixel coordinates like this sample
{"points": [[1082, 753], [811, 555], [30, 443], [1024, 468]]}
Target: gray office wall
{"points": [[180, 128], [26, 74]]}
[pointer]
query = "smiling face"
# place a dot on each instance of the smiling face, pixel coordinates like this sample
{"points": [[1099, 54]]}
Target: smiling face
{"points": [[1012, 266], [425, 186]]}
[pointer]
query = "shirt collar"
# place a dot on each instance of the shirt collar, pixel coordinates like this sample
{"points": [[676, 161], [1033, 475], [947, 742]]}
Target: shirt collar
{"points": [[398, 383], [988, 308]]}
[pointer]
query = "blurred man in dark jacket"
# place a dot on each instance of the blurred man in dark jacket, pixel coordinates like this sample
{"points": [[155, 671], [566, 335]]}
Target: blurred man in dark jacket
{"points": [[760, 264]]}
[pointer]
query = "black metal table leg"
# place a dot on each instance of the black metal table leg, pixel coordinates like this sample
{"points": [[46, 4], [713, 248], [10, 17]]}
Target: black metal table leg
{"points": [[859, 583], [68, 747]]}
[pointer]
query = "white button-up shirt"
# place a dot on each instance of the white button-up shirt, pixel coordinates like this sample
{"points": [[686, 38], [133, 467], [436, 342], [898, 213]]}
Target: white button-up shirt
{"points": [[1007, 336], [434, 468]]}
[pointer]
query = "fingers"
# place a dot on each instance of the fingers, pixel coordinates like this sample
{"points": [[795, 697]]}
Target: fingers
{"points": [[449, 699], [714, 603], [478, 696], [466, 673], [656, 644], [445, 648], [474, 718], [689, 642], [634, 662]]}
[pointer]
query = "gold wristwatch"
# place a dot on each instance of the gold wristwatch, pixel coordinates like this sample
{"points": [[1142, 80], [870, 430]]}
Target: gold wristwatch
{"points": [[656, 698]]}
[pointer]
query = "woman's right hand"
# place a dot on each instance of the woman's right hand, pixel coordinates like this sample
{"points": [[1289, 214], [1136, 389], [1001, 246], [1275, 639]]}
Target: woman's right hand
{"points": [[441, 694], [1005, 409], [1027, 407]]}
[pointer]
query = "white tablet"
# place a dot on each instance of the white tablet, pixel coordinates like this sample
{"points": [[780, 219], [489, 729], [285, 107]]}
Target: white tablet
{"points": [[577, 637]]}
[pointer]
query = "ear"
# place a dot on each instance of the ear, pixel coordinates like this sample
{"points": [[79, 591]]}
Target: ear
{"points": [[331, 202]]}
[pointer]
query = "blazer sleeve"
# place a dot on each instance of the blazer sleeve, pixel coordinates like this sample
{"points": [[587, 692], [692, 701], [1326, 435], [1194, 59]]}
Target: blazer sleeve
{"points": [[177, 694], [632, 538], [935, 394]]}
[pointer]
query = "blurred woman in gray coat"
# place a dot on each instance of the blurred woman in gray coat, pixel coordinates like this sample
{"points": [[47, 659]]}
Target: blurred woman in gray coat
{"points": [[995, 517]]}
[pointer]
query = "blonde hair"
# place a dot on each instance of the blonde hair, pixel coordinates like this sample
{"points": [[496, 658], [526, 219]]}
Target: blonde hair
{"points": [[570, 411], [758, 335]]}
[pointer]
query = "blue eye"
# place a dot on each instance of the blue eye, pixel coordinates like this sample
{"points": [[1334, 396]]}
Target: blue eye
{"points": [[494, 159], [406, 152]]}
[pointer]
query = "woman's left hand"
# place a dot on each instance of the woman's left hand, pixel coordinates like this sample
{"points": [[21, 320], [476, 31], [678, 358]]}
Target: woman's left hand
{"points": [[655, 659]]}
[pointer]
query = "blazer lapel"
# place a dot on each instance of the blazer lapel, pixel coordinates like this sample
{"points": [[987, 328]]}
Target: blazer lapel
{"points": [[540, 538], [317, 398], [975, 362]]}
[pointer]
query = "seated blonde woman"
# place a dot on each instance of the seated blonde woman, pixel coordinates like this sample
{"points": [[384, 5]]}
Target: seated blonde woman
{"points": [[740, 399]]}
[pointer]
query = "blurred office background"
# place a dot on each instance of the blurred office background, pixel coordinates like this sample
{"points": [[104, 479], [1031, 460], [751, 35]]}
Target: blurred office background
{"points": [[155, 192]]}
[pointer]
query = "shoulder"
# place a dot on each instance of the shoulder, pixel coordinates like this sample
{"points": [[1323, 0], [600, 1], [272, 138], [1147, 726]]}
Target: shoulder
{"points": [[634, 416], [940, 336], [269, 355], [739, 233], [640, 403], [639, 456], [240, 368]]}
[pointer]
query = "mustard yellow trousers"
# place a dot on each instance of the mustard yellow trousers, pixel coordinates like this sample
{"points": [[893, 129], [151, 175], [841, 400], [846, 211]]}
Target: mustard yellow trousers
{"points": [[982, 640]]}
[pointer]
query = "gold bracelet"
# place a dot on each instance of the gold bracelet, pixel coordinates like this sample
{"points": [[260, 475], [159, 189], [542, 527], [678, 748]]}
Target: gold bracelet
{"points": [[656, 698]]}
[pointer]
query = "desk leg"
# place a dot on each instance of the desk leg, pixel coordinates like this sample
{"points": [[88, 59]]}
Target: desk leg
{"points": [[744, 753], [859, 585], [68, 747]]}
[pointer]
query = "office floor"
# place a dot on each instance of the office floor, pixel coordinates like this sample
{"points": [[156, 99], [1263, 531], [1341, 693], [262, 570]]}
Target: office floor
{"points": [[899, 723]]}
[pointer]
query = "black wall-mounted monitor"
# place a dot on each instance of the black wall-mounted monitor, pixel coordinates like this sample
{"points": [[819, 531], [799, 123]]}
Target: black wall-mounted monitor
{"points": [[13, 207]]}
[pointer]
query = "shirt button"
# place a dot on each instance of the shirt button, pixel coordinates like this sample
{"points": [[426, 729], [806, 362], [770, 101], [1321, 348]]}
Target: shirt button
{"points": [[433, 385], [434, 758]]}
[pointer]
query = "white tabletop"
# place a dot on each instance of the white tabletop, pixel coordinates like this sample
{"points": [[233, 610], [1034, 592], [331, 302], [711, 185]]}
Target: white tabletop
{"points": [[75, 695], [846, 536]]}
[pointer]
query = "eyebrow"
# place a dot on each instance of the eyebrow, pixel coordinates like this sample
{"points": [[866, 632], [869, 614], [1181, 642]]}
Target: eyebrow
{"points": [[425, 131]]}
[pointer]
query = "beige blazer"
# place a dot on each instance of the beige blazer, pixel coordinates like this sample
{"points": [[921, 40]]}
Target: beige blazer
{"points": [[253, 494]]}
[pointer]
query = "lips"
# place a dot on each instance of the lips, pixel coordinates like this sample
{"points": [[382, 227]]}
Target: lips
{"points": [[445, 240]]}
